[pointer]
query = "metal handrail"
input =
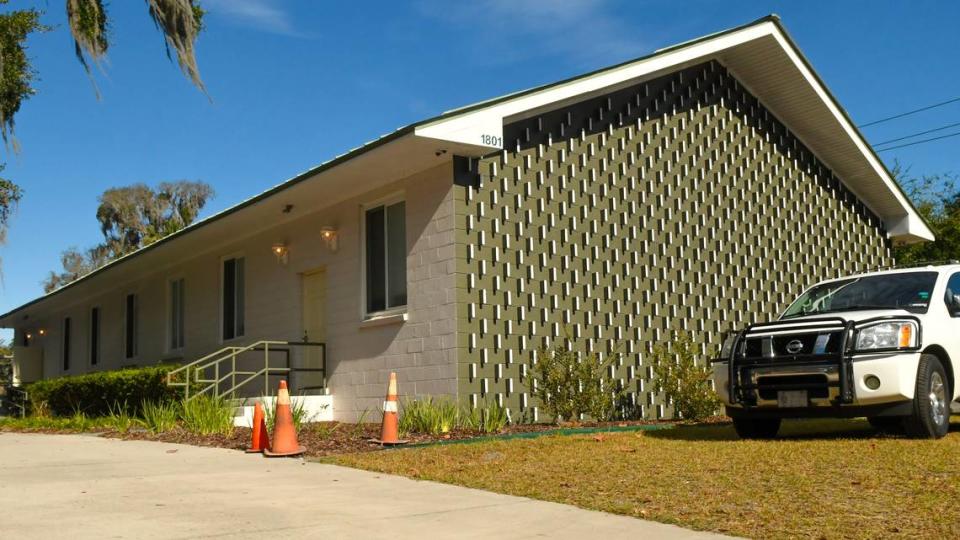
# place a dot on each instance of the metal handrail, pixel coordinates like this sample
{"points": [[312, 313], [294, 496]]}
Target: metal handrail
{"points": [[21, 402], [198, 367]]}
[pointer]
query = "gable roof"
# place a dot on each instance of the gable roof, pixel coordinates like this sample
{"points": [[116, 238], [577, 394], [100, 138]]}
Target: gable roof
{"points": [[761, 55]]}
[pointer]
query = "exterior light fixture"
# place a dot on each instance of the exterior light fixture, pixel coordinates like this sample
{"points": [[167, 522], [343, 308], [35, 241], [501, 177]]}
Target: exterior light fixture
{"points": [[42, 332], [280, 251], [329, 236]]}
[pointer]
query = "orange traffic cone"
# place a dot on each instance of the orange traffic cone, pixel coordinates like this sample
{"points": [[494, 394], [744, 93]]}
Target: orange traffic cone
{"points": [[261, 440], [284, 432], [389, 431]]}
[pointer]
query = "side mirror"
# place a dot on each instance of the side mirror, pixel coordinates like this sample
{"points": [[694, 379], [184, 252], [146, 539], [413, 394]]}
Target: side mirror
{"points": [[954, 306]]}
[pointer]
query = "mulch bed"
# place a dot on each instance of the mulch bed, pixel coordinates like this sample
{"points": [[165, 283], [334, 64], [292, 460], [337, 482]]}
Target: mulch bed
{"points": [[332, 438]]}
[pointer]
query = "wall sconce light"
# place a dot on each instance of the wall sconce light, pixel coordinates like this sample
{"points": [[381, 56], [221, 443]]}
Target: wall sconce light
{"points": [[280, 251], [329, 236], [42, 332]]}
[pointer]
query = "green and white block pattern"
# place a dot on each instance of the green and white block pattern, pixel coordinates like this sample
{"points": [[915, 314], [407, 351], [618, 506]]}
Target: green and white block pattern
{"points": [[679, 203]]}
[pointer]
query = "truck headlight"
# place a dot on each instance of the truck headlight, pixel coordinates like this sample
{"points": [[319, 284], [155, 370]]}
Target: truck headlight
{"points": [[888, 335], [727, 348]]}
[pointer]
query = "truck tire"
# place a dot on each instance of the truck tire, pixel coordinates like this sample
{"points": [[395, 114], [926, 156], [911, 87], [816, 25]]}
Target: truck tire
{"points": [[931, 401], [756, 428]]}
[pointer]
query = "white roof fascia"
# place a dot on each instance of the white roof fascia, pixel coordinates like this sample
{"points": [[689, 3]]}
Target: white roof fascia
{"points": [[915, 225], [472, 127]]}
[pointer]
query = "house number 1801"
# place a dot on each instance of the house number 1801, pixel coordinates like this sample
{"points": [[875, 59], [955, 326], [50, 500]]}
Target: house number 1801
{"points": [[492, 140]]}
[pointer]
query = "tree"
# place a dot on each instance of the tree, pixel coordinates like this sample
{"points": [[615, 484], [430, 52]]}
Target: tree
{"points": [[180, 22], [937, 199], [130, 218]]}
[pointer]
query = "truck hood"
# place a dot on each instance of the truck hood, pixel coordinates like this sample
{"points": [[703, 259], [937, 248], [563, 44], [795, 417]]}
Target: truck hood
{"points": [[857, 315]]}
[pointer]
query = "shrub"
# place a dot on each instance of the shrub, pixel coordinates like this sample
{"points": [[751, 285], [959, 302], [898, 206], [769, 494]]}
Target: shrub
{"points": [[160, 417], [96, 394], [207, 415], [684, 382], [570, 385]]}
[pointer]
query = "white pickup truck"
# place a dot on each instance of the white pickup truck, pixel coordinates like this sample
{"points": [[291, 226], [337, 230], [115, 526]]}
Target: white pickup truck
{"points": [[880, 345]]}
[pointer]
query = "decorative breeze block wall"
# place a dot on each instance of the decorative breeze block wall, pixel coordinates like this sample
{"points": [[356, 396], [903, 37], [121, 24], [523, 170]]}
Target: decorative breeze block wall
{"points": [[677, 203]]}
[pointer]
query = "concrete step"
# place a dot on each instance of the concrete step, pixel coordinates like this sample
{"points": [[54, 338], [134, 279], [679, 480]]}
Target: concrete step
{"points": [[316, 409]]}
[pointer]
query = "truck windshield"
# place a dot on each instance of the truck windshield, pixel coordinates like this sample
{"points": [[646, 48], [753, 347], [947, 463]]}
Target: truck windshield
{"points": [[909, 290]]}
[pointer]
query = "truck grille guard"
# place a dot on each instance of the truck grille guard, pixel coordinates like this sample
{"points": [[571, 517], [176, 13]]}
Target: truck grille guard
{"points": [[744, 392]]}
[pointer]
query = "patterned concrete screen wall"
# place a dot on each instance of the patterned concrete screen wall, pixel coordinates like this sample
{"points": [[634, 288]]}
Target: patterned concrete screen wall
{"points": [[679, 203]]}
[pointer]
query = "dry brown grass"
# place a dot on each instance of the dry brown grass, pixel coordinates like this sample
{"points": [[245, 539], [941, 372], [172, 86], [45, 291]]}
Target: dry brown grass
{"points": [[823, 479]]}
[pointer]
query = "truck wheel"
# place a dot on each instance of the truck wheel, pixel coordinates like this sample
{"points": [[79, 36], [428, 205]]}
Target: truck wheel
{"points": [[756, 428], [889, 424], [931, 401]]}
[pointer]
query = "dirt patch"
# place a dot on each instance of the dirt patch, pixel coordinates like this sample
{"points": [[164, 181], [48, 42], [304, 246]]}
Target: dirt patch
{"points": [[320, 439], [333, 438]]}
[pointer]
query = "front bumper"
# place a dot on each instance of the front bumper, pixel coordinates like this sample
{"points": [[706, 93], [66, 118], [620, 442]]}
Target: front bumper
{"points": [[831, 382], [897, 374]]}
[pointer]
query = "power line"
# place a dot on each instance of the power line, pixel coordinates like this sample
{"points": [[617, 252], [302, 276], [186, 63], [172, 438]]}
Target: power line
{"points": [[917, 134], [908, 113], [921, 141]]}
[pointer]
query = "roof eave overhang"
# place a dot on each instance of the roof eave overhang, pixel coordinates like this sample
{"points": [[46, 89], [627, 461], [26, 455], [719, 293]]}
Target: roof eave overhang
{"points": [[765, 60]]}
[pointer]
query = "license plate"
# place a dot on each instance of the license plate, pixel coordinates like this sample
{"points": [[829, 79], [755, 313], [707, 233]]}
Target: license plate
{"points": [[792, 398]]}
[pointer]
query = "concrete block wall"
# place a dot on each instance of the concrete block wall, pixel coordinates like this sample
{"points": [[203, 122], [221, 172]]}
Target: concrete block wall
{"points": [[360, 356]]}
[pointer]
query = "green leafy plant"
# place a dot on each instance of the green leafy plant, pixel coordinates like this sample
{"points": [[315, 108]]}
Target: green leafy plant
{"points": [[77, 422], [571, 385], [439, 416], [489, 417], [97, 394], [325, 430], [358, 428], [683, 381], [429, 415], [207, 415], [119, 419], [160, 417], [297, 411]]}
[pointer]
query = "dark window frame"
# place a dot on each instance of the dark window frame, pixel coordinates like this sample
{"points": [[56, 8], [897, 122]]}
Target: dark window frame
{"points": [[65, 342], [131, 315], [233, 298], [176, 316], [95, 323], [385, 257]]}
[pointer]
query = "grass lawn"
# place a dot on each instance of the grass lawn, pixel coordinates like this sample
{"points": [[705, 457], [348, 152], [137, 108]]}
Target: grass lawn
{"points": [[822, 479]]}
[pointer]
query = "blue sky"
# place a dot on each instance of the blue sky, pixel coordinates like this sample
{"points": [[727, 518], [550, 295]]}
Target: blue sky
{"points": [[295, 83]]}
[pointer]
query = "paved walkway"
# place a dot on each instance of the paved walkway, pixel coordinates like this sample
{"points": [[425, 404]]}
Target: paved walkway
{"points": [[78, 486]]}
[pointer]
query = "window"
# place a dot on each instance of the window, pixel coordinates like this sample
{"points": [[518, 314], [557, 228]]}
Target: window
{"points": [[94, 336], [176, 314], [130, 326], [906, 290], [233, 270], [386, 256], [66, 344], [953, 289]]}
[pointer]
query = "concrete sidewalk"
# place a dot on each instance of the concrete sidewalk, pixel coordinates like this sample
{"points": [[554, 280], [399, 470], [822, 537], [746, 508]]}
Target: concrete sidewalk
{"points": [[78, 486]]}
